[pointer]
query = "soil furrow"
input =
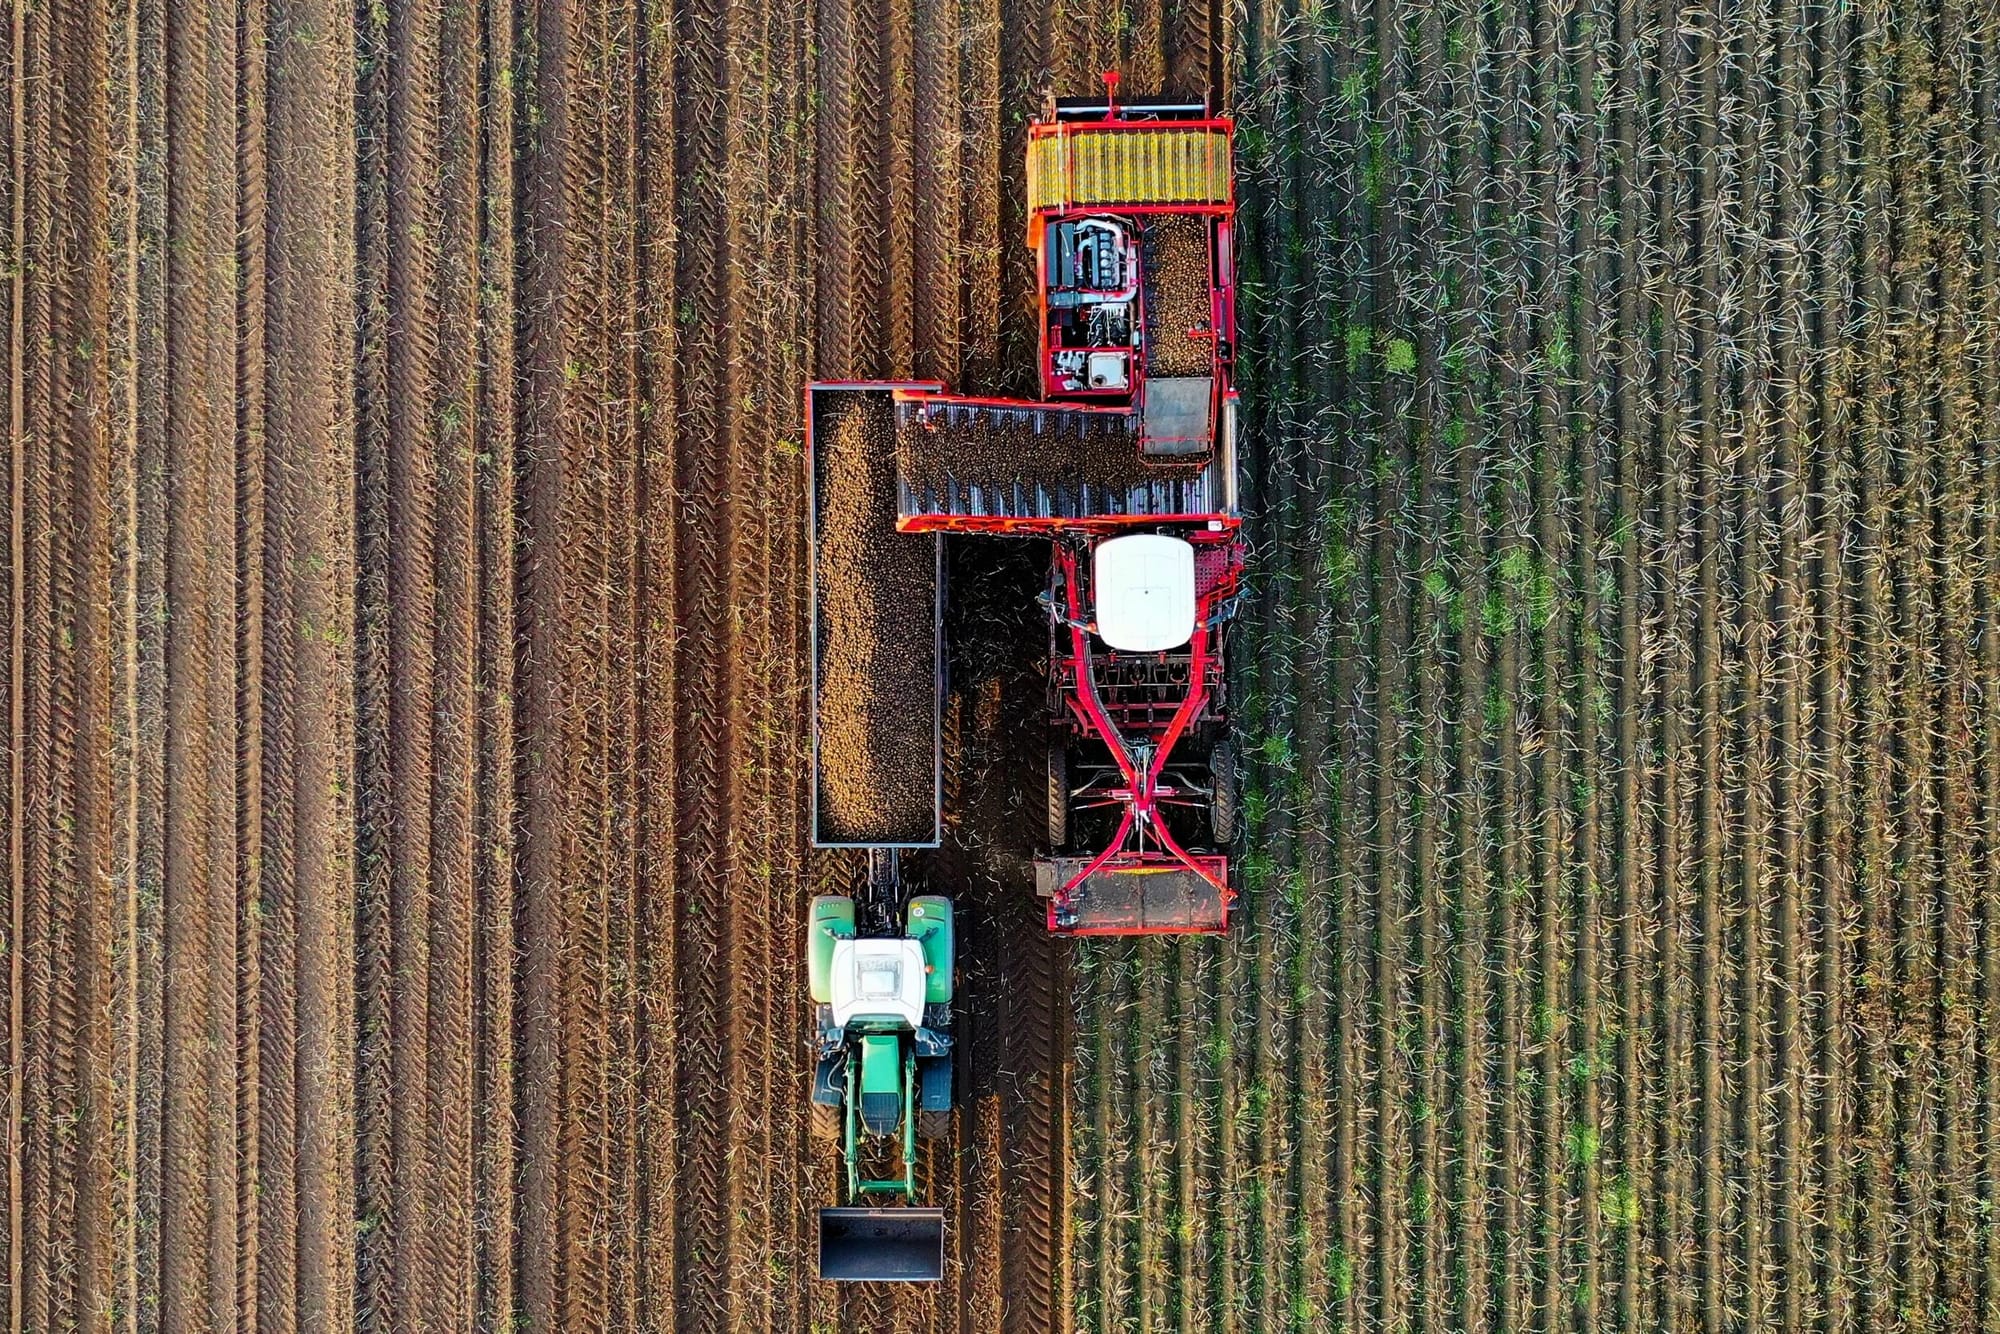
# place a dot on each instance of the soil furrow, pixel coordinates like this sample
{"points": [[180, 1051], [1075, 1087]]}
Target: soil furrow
{"points": [[495, 412], [1549, 594], [1588, 407], [199, 1186], [306, 1250], [1672, 1170], [1793, 649]]}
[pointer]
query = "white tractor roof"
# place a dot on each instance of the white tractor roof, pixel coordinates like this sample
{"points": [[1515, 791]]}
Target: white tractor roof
{"points": [[878, 979], [1144, 586]]}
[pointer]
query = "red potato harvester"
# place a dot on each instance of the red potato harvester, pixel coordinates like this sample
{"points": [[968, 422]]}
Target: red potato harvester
{"points": [[1127, 466]]}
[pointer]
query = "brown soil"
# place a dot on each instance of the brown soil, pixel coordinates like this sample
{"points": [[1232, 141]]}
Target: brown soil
{"points": [[408, 655], [1175, 261], [878, 597]]}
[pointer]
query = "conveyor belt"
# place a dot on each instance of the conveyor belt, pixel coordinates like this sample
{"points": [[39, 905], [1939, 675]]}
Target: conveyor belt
{"points": [[973, 460]]}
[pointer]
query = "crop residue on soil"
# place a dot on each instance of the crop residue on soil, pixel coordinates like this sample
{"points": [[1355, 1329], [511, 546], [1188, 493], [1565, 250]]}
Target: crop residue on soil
{"points": [[878, 598]]}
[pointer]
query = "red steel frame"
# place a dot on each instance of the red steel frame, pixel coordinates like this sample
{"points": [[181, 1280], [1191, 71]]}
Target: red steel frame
{"points": [[1142, 841]]}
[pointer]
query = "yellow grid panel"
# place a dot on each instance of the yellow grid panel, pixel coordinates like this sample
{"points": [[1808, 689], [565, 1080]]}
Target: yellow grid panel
{"points": [[1170, 165]]}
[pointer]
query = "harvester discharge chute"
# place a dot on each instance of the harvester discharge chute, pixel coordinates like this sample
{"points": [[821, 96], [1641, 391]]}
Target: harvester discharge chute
{"points": [[881, 982]]}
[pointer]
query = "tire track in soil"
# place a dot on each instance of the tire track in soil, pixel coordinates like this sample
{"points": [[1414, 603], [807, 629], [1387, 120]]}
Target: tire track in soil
{"points": [[1387, 305], [1833, 816], [1547, 619], [14, 58], [1587, 407], [252, 37], [1916, 453], [200, 1090], [1748, 695], [707, 812], [496, 409], [1469, 858], [64, 929], [1987, 600], [1872, 1013], [1632, 1143], [1671, 654], [1955, 614], [44, 1030], [306, 1263], [1793, 649], [1432, 1252], [1510, 1303], [450, 1277], [653, 361], [403, 1248], [596, 1118], [147, 531], [543, 1235], [1708, 238], [1265, 925]]}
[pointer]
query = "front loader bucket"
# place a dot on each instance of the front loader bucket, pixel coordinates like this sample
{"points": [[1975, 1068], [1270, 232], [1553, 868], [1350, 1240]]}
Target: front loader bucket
{"points": [[881, 1245]]}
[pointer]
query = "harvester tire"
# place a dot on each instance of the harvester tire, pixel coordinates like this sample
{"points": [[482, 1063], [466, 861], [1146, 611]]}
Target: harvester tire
{"points": [[1058, 793], [826, 1122], [1222, 804], [933, 1125]]}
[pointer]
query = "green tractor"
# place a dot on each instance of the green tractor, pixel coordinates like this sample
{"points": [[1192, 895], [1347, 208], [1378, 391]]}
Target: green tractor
{"points": [[881, 983]]}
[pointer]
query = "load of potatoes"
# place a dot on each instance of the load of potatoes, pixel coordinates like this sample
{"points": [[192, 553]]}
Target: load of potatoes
{"points": [[1176, 270], [877, 596]]}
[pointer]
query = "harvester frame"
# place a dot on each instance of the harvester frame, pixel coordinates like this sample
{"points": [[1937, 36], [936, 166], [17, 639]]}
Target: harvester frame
{"points": [[1134, 436]]}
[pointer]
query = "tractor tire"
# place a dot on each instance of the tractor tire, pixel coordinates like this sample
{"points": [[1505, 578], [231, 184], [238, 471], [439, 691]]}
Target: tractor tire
{"points": [[826, 1122], [1222, 782], [1058, 793], [933, 1125]]}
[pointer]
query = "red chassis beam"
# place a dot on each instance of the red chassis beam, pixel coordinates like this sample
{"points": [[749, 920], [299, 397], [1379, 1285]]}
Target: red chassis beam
{"points": [[1142, 843]]}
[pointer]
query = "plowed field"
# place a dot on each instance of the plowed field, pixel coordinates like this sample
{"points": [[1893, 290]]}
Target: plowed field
{"points": [[1622, 936], [406, 648]]}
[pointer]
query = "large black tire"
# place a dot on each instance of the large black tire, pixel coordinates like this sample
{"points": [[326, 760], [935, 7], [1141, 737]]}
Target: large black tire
{"points": [[933, 1125], [826, 1122], [1222, 781], [1058, 793]]}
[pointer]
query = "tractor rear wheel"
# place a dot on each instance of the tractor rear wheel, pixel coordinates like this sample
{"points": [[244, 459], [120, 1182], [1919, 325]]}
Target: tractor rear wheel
{"points": [[1222, 785], [933, 1125], [826, 1122], [1058, 793]]}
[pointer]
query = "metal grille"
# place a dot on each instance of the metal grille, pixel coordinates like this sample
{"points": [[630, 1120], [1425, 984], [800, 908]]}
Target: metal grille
{"points": [[1089, 167]]}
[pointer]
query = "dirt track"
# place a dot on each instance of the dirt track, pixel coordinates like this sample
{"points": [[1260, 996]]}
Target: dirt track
{"points": [[406, 647]]}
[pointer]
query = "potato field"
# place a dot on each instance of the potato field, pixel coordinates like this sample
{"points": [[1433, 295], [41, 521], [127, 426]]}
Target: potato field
{"points": [[407, 669], [1623, 934]]}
